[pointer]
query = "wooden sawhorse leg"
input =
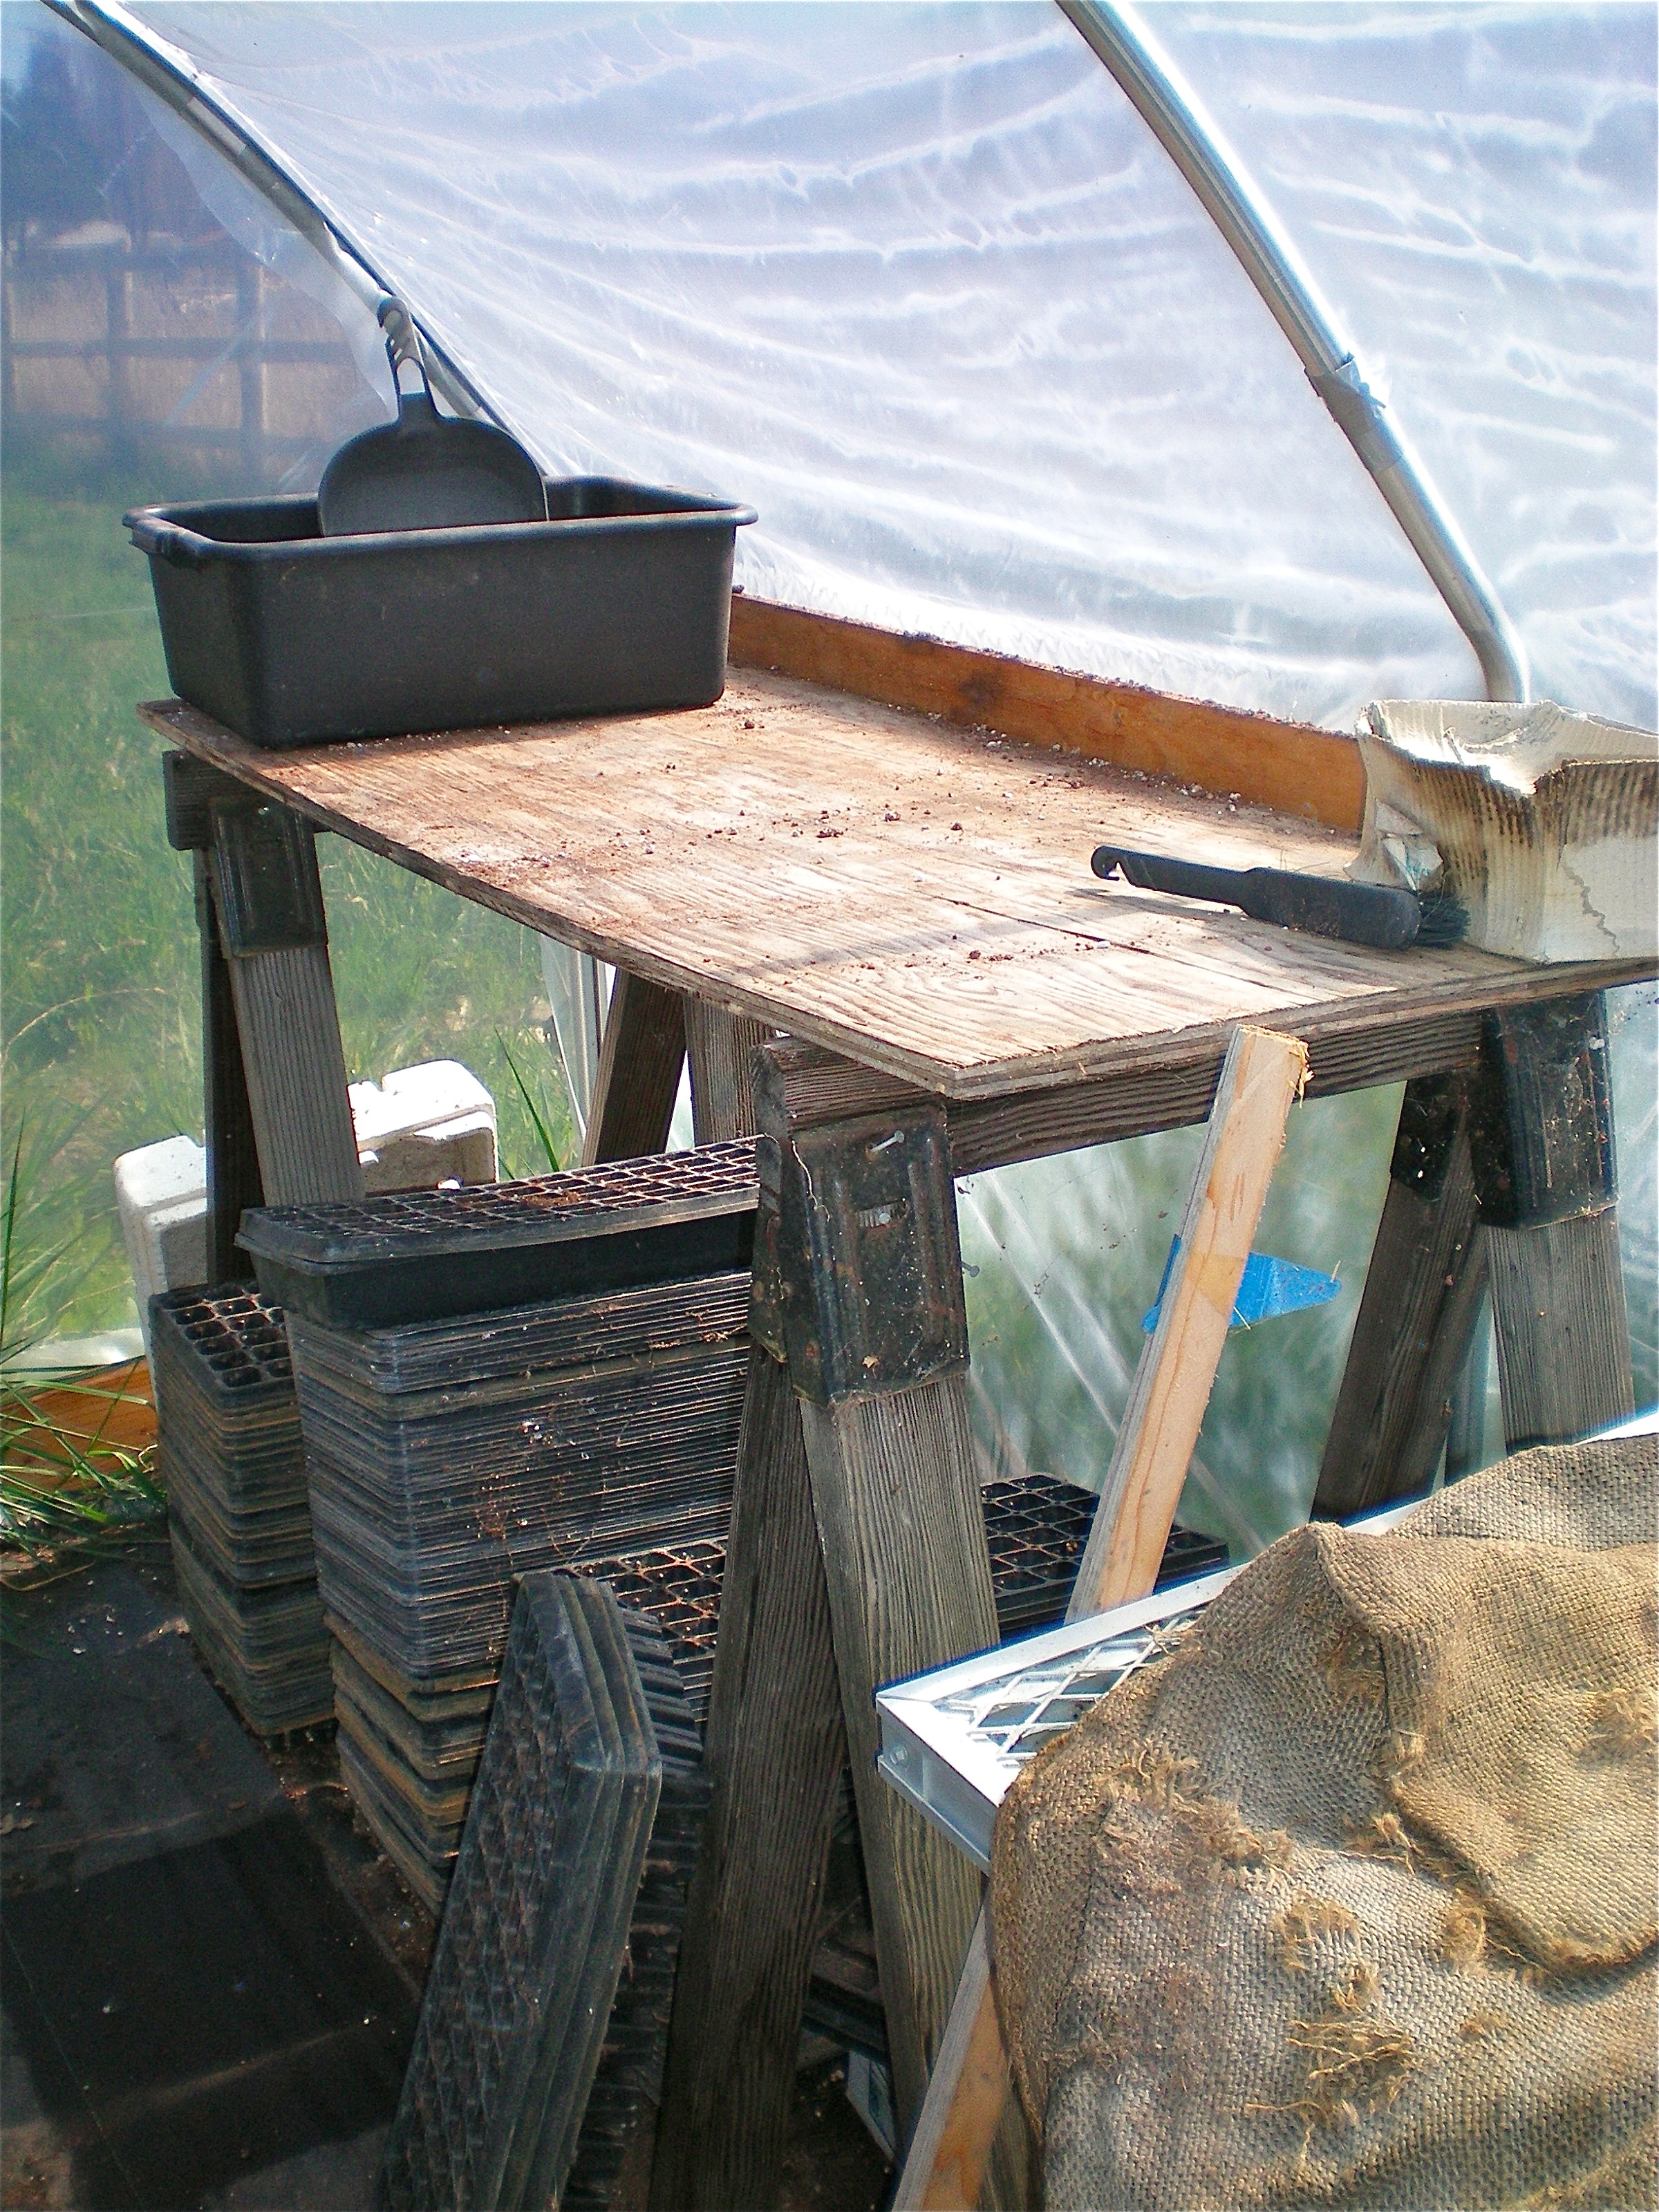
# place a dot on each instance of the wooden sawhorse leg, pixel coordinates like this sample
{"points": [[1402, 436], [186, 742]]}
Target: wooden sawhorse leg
{"points": [[1422, 1302], [720, 1048], [642, 1051], [278, 1123], [860, 1458], [864, 1296], [1540, 1134], [774, 1747], [649, 1034]]}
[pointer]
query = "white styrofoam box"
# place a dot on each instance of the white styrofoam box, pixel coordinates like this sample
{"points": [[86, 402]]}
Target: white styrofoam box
{"points": [[417, 1127], [161, 1194]]}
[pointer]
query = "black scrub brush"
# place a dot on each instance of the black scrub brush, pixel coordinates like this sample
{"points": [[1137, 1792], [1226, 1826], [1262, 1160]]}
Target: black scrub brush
{"points": [[1328, 906]]}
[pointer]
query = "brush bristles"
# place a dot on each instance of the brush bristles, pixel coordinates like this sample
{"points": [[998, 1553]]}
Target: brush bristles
{"points": [[1445, 919]]}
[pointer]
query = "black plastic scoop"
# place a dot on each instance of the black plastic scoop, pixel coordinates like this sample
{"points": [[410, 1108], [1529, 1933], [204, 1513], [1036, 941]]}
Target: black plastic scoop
{"points": [[426, 470]]}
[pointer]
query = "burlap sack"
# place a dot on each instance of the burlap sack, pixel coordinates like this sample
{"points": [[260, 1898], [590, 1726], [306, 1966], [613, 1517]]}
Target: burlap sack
{"points": [[1350, 1898]]}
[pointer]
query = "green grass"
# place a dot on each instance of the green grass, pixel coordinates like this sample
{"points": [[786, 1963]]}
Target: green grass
{"points": [[98, 958]]}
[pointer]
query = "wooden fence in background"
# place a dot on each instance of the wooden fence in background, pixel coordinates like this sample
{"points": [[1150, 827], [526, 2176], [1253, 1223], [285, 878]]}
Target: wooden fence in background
{"points": [[134, 349]]}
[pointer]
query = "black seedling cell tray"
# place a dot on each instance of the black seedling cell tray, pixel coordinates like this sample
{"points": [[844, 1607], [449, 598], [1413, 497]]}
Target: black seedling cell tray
{"points": [[555, 1435], [1036, 1528], [621, 601], [428, 1254], [369, 1367], [426, 1869], [536, 1925], [628, 2082], [469, 1689], [438, 1750], [238, 1336], [580, 1232], [436, 1732], [233, 1464], [267, 1651], [677, 1588]]}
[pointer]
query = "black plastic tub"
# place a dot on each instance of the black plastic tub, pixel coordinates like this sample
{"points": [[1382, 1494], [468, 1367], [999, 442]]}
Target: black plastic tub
{"points": [[622, 601]]}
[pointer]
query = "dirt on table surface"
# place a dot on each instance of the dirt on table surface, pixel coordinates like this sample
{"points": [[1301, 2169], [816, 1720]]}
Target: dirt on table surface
{"points": [[211, 1973]]}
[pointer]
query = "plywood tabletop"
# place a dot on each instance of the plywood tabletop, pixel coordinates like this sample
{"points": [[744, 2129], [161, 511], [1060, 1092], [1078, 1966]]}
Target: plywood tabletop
{"points": [[915, 895]]}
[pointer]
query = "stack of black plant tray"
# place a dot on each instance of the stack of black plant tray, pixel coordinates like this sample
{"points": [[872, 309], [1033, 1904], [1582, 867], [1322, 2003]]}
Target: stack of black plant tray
{"points": [[491, 1382], [234, 1467], [410, 1749], [542, 1374]]}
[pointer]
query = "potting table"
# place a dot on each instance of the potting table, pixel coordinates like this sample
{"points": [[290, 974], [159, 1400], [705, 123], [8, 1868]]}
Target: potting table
{"points": [[910, 899]]}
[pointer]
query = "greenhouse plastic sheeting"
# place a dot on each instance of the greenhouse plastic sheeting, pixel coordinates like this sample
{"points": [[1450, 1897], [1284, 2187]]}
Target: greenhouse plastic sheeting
{"points": [[919, 282]]}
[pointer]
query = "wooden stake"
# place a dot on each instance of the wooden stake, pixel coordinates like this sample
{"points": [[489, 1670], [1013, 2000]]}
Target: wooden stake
{"points": [[1262, 1075]]}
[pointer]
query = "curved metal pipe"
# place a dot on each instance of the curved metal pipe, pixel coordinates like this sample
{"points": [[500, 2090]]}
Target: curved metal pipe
{"points": [[162, 69], [1173, 112]]}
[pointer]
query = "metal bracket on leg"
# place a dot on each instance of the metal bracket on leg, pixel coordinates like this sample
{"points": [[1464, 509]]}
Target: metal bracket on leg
{"points": [[857, 1266]]}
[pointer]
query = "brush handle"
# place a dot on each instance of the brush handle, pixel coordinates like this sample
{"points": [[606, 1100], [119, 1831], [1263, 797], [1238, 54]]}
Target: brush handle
{"points": [[1327, 906]]}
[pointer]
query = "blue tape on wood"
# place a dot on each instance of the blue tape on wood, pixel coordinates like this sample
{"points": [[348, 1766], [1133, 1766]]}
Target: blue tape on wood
{"points": [[1267, 1287]]}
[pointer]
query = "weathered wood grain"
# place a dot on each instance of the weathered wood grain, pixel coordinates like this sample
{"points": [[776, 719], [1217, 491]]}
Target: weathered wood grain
{"points": [[642, 1051], [966, 2095], [774, 1747], [1562, 1329], [1290, 766], [232, 1157], [1545, 1163], [819, 1085], [896, 1491], [1423, 1298], [296, 1077], [912, 895], [717, 1046]]}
